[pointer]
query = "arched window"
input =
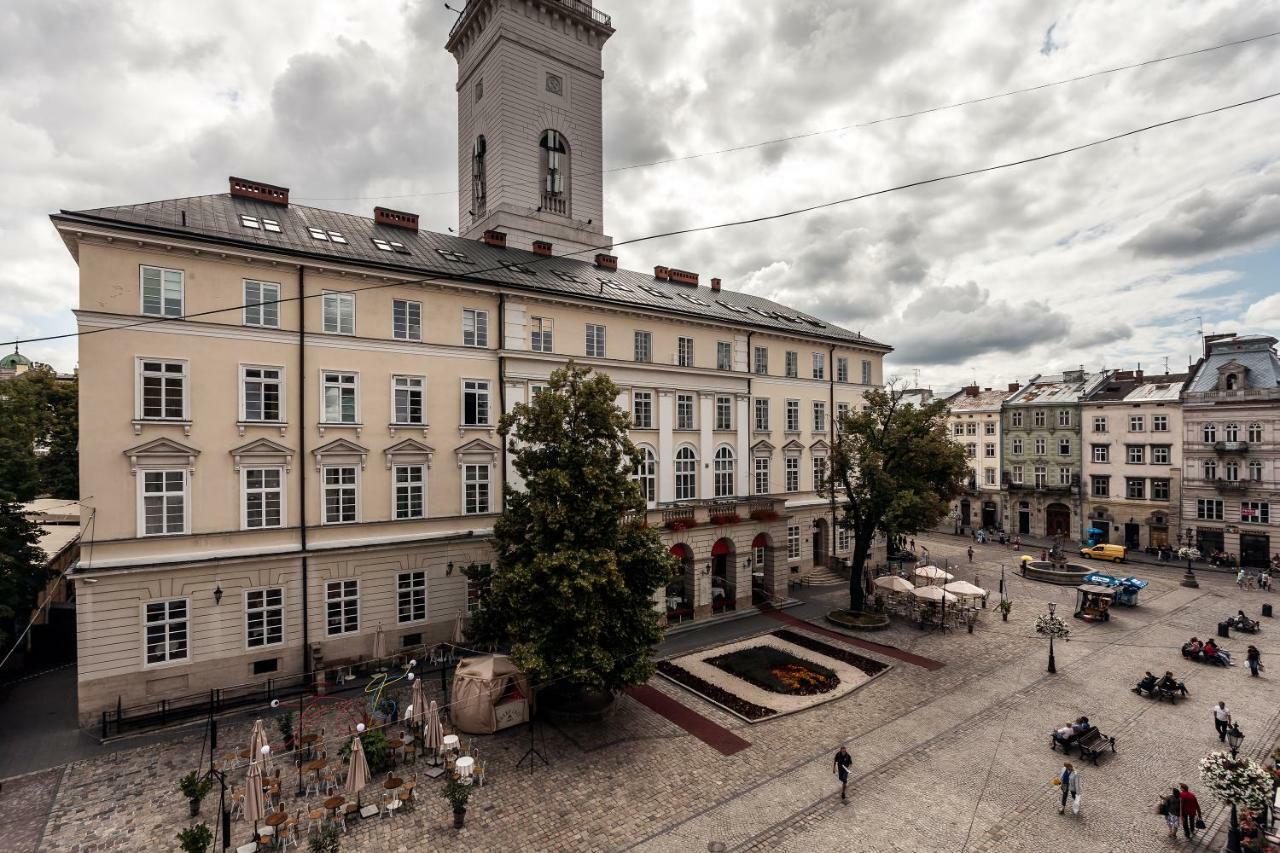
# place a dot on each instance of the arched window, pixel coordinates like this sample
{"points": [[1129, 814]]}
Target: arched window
{"points": [[1231, 381], [1255, 433], [1255, 470], [478, 181], [724, 472], [686, 474], [1231, 432], [1210, 433], [646, 475], [554, 153]]}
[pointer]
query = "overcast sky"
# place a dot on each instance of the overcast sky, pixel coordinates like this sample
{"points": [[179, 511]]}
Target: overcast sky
{"points": [[1111, 257]]}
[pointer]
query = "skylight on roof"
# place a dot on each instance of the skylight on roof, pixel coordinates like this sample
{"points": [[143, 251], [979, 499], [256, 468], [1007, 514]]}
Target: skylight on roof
{"points": [[567, 276], [336, 236], [733, 308], [654, 291], [695, 300], [389, 245], [514, 267], [616, 285], [450, 255], [261, 223], [763, 313]]}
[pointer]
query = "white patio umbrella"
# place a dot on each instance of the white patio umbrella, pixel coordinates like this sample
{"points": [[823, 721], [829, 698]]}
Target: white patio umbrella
{"points": [[358, 772], [893, 583], [254, 807], [433, 736], [458, 636], [933, 593], [933, 573], [964, 589]]}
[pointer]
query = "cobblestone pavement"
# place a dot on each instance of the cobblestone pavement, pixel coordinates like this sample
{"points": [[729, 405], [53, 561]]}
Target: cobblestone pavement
{"points": [[951, 759]]}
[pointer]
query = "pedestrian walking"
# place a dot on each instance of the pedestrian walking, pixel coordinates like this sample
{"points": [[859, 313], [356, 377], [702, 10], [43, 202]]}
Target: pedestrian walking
{"points": [[1170, 808], [970, 553], [913, 546], [1221, 719], [1069, 782], [1254, 658], [1240, 578], [841, 768], [1189, 808]]}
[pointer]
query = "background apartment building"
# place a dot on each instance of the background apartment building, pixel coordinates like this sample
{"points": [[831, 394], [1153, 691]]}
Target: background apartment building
{"points": [[974, 416], [289, 451], [1132, 459], [1231, 443]]}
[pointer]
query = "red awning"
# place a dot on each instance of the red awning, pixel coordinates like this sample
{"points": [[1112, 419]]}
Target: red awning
{"points": [[721, 548], [761, 541], [681, 551]]}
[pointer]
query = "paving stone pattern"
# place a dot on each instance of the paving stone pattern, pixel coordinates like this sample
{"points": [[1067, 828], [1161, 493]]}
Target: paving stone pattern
{"points": [[955, 758]]}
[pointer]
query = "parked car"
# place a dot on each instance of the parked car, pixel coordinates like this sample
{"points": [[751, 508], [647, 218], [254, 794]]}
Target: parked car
{"points": [[1106, 551]]}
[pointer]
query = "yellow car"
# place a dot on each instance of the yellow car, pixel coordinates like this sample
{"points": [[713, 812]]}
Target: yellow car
{"points": [[1106, 551]]}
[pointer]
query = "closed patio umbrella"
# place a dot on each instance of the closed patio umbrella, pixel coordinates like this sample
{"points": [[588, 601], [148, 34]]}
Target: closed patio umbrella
{"points": [[358, 772], [893, 583], [257, 740], [418, 702], [458, 636], [379, 644], [254, 806], [433, 735]]}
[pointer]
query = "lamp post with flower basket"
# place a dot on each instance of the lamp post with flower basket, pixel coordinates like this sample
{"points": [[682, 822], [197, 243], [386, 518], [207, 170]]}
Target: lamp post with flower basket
{"points": [[1242, 782], [1049, 625]]}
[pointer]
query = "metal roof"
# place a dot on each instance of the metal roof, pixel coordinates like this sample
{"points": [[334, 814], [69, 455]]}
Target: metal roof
{"points": [[1255, 353], [217, 218], [988, 400], [1126, 386], [1057, 389]]}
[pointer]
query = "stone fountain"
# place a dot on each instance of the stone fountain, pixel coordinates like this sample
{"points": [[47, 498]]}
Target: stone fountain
{"points": [[1056, 569]]}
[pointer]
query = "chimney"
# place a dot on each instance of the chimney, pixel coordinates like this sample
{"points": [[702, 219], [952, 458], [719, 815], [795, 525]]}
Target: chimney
{"points": [[240, 188], [495, 238], [661, 273], [542, 247], [607, 262], [1014, 386], [715, 285], [683, 276], [971, 390], [395, 218], [1137, 374]]}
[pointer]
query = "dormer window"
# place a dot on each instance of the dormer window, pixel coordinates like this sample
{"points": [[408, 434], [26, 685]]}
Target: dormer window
{"points": [[478, 180], [1231, 381], [554, 153]]}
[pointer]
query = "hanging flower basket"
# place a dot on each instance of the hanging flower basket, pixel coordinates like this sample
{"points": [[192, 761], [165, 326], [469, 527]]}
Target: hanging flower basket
{"points": [[1242, 781], [764, 515], [726, 518], [1052, 626], [681, 524]]}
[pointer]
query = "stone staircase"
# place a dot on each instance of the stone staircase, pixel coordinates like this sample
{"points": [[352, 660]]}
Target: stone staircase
{"points": [[824, 576]]}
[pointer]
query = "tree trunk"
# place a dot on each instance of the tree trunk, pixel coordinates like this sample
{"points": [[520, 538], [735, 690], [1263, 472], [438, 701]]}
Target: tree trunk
{"points": [[857, 573]]}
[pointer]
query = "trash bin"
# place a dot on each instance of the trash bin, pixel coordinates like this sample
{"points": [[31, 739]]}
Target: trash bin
{"points": [[1266, 610], [1224, 629]]}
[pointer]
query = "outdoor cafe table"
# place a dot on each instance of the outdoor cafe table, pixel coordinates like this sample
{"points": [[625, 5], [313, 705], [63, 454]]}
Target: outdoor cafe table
{"points": [[334, 803], [395, 745], [315, 764], [392, 783], [309, 742], [276, 818]]}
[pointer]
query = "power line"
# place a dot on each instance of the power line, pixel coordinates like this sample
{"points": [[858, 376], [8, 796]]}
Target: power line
{"points": [[857, 125], [696, 228]]}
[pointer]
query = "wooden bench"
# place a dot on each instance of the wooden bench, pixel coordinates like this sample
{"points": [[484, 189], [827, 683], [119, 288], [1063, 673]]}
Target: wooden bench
{"points": [[1093, 742]]}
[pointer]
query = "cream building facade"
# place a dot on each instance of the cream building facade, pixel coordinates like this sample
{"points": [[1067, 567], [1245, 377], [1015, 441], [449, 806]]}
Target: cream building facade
{"points": [[973, 414], [288, 433]]}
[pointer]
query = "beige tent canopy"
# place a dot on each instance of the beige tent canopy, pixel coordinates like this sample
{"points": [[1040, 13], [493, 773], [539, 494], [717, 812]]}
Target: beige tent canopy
{"points": [[489, 694]]}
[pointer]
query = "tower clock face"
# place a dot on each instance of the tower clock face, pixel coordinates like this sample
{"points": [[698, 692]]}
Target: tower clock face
{"points": [[554, 84]]}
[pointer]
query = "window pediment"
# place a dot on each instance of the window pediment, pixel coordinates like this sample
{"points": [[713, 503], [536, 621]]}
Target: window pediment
{"points": [[162, 453], [341, 451], [793, 447], [409, 452], [820, 446], [762, 448], [262, 452], [477, 452]]}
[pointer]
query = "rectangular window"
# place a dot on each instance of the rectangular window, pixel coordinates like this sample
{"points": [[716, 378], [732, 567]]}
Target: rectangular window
{"points": [[595, 341], [411, 597], [724, 412], [163, 386], [1041, 477], [684, 352], [1101, 453], [866, 372], [1039, 444], [475, 328], [166, 630], [339, 310], [407, 393], [1016, 474], [339, 391], [989, 428], [1159, 490], [1255, 512], [1064, 447], [1099, 423], [793, 542], [793, 416], [540, 329], [1038, 418], [263, 497], [1159, 455], [989, 476], [1137, 423], [261, 304], [684, 411], [342, 607], [762, 465], [1015, 419], [1101, 487], [842, 409], [724, 355], [1210, 469], [164, 502], [819, 473], [819, 365], [476, 489], [842, 369], [642, 409], [1064, 417], [262, 393], [410, 491], [970, 450], [406, 320], [475, 592], [1064, 476], [475, 402], [1209, 509], [1136, 455], [339, 487], [970, 428], [762, 414], [819, 416], [1135, 488], [793, 364], [1159, 423], [264, 617], [644, 347], [792, 470], [1016, 445], [162, 292], [842, 538], [988, 450], [760, 360], [957, 430]]}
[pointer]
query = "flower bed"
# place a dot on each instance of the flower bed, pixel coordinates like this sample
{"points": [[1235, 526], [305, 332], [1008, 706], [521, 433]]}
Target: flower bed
{"points": [[720, 696], [866, 664], [777, 671]]}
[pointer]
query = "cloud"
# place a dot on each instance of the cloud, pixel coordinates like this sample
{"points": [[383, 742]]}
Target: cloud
{"points": [[1209, 222], [957, 322], [1264, 313]]}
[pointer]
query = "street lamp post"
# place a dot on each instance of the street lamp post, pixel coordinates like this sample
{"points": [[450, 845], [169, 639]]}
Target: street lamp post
{"points": [[1234, 738], [1052, 666], [1189, 579]]}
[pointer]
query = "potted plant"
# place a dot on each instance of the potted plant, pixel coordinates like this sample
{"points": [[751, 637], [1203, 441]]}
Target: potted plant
{"points": [[284, 723], [764, 515], [457, 794], [324, 840], [195, 839], [1005, 606], [195, 788]]}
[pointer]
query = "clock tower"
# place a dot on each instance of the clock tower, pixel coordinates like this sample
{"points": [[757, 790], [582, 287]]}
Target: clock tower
{"points": [[529, 121]]}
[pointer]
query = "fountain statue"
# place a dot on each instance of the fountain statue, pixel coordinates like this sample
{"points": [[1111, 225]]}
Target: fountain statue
{"points": [[1055, 569]]}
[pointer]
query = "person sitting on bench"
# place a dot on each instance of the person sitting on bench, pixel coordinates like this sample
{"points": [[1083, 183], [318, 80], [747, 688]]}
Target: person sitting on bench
{"points": [[1171, 684], [1211, 650], [1081, 725], [1192, 648], [1147, 684], [1244, 623], [1064, 734]]}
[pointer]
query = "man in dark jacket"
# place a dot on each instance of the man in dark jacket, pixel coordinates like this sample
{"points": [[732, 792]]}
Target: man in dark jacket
{"points": [[841, 768]]}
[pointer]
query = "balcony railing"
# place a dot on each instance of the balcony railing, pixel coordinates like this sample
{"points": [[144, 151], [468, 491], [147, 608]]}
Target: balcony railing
{"points": [[1231, 485], [1231, 446], [1048, 488], [579, 7], [555, 203]]}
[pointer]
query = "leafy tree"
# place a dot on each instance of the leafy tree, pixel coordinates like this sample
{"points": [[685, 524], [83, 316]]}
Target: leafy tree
{"points": [[571, 592], [894, 469], [38, 433], [23, 572]]}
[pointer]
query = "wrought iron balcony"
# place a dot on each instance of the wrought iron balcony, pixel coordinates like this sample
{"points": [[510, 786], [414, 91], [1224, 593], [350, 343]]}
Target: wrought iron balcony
{"points": [[1231, 485], [1231, 446]]}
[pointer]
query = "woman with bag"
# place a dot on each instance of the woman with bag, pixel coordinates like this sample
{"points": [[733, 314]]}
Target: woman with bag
{"points": [[1069, 782], [1254, 659], [1169, 808], [1190, 808]]}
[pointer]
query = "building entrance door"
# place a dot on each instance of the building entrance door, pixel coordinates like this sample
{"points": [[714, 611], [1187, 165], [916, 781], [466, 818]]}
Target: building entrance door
{"points": [[1057, 520], [1209, 540], [989, 514], [1024, 519], [1131, 535], [964, 513], [820, 542], [1255, 550]]}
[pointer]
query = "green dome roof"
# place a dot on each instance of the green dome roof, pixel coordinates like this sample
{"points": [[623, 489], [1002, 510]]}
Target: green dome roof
{"points": [[14, 359]]}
